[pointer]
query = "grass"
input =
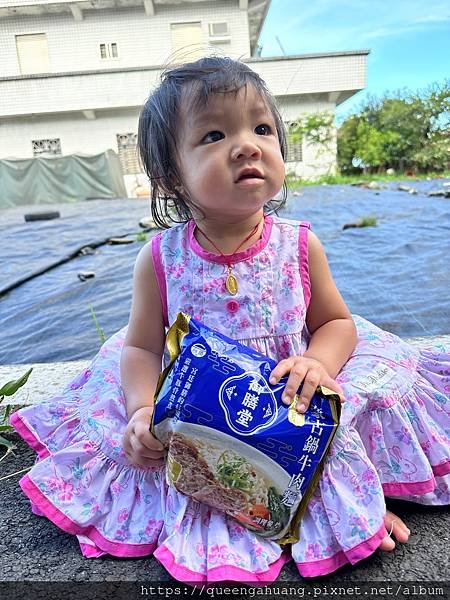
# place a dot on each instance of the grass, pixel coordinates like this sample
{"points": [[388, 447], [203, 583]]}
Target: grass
{"points": [[294, 182], [141, 236], [100, 332], [369, 221]]}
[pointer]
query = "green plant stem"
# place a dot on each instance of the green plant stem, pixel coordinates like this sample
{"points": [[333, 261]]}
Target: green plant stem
{"points": [[100, 332]]}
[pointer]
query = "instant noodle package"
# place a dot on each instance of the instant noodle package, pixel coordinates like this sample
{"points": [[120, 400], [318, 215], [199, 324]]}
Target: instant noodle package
{"points": [[232, 443]]}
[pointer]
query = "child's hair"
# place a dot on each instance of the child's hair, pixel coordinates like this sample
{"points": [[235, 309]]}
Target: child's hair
{"points": [[159, 122]]}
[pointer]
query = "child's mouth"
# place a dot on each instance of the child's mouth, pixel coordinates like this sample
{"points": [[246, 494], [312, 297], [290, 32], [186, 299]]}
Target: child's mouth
{"points": [[250, 176]]}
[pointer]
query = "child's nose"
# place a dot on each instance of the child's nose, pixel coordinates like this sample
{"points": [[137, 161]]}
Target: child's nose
{"points": [[245, 148]]}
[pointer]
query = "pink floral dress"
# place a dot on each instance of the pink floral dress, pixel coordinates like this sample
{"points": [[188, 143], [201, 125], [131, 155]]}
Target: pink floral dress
{"points": [[393, 439]]}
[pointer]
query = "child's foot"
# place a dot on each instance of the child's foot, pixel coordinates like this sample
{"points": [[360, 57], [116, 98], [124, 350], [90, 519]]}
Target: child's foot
{"points": [[397, 528]]}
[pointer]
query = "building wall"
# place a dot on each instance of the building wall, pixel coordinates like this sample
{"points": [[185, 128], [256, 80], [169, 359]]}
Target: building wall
{"points": [[142, 40], [316, 160], [120, 87], [47, 107], [81, 135], [77, 134]]}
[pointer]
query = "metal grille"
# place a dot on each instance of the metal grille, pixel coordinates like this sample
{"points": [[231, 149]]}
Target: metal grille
{"points": [[294, 151], [109, 50], [46, 146], [128, 156], [218, 29]]}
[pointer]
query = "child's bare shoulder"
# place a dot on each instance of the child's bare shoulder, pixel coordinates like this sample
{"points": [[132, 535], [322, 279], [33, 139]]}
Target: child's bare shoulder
{"points": [[144, 261]]}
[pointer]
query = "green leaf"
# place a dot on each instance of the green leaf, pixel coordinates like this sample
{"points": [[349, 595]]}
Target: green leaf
{"points": [[6, 412], [6, 429], [11, 387], [6, 443]]}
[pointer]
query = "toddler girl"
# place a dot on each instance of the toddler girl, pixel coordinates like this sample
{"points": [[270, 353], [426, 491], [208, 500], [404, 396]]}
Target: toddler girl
{"points": [[213, 143]]}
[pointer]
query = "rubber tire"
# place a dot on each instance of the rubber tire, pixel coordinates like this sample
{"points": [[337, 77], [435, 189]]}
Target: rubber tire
{"points": [[42, 216]]}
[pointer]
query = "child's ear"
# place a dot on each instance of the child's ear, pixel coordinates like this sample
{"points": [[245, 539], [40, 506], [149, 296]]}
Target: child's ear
{"points": [[179, 190], [176, 185], [172, 182], [171, 185]]}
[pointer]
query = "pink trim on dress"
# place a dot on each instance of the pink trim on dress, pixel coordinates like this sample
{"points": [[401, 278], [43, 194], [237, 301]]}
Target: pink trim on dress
{"points": [[354, 555], [366, 548], [303, 259], [322, 567], [239, 256], [442, 469], [416, 488], [220, 574], [89, 551], [36, 511], [160, 276], [58, 518], [28, 436]]}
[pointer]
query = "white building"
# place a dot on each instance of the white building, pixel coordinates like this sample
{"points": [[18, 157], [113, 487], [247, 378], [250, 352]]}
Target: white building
{"points": [[74, 73]]}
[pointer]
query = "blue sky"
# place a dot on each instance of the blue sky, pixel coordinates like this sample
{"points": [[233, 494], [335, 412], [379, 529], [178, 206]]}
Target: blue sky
{"points": [[409, 40]]}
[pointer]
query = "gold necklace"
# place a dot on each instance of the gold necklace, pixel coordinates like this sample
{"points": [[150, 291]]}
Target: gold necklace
{"points": [[231, 283]]}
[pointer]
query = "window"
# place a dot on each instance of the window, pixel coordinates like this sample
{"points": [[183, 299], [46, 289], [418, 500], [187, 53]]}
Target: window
{"points": [[108, 51], [219, 32], [48, 146], [187, 37], [32, 53], [294, 149], [128, 156]]}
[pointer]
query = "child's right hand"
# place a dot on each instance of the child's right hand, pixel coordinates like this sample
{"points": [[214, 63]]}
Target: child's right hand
{"points": [[140, 445]]}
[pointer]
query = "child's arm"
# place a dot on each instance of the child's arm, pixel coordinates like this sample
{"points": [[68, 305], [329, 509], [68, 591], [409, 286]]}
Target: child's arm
{"points": [[333, 334], [140, 363]]}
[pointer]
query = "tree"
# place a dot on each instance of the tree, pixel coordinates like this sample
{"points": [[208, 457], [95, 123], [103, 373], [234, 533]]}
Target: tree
{"points": [[347, 143], [403, 130]]}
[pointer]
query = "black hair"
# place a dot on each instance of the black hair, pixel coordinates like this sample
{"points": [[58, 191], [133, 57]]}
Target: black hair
{"points": [[159, 120]]}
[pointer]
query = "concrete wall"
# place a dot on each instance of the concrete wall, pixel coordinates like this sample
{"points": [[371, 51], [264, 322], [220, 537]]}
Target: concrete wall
{"points": [[77, 134], [142, 40]]}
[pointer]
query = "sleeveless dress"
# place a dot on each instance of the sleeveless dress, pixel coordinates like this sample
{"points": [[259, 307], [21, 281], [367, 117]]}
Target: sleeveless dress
{"points": [[393, 439]]}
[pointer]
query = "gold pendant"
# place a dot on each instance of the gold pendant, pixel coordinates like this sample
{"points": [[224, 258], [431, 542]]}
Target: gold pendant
{"points": [[231, 283]]}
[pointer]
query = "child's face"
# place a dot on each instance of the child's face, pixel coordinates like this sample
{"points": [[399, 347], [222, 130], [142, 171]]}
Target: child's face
{"points": [[229, 155]]}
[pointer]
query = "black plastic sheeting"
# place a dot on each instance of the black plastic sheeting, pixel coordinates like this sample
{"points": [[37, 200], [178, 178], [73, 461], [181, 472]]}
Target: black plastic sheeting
{"points": [[396, 274]]}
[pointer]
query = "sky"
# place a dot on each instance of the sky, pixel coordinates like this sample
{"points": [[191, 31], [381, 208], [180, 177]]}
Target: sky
{"points": [[409, 40]]}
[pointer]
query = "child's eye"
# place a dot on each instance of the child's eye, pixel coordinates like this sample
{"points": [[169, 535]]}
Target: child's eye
{"points": [[213, 136], [263, 129]]}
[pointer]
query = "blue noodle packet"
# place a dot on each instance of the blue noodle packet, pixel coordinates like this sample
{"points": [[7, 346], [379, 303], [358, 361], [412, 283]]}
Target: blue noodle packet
{"points": [[231, 442]]}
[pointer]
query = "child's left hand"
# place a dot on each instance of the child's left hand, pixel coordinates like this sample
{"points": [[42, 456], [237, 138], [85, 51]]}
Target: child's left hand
{"points": [[307, 370]]}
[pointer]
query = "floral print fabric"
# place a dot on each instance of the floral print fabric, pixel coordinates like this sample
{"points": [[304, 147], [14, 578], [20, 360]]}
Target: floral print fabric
{"points": [[393, 439]]}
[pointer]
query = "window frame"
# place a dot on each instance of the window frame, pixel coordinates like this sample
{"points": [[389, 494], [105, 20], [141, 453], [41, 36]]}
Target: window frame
{"points": [[110, 48]]}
